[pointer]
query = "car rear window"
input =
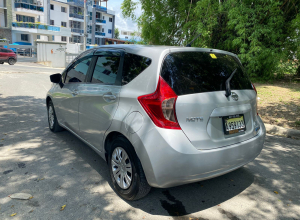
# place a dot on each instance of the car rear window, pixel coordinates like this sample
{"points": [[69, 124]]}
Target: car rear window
{"points": [[197, 72]]}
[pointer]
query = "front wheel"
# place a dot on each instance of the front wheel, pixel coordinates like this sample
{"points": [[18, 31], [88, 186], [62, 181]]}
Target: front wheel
{"points": [[52, 120], [11, 61], [126, 170]]}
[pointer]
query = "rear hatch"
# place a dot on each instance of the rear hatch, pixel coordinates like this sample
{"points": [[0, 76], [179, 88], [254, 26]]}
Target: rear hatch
{"points": [[208, 118]]}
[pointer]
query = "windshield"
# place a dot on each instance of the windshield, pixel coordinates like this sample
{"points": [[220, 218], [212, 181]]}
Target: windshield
{"points": [[196, 72]]}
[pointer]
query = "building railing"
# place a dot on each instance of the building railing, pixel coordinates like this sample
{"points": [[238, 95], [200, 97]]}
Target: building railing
{"points": [[100, 21], [29, 6], [101, 8], [35, 26], [76, 2], [73, 15], [99, 33], [77, 30]]}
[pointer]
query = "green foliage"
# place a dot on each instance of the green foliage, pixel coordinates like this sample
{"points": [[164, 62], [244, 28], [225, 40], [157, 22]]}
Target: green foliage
{"points": [[265, 34], [117, 33]]}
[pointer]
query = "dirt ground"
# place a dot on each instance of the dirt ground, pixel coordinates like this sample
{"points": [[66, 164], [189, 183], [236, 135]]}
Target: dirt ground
{"points": [[279, 103]]}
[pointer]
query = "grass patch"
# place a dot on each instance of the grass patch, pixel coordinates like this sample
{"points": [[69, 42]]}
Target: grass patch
{"points": [[279, 103]]}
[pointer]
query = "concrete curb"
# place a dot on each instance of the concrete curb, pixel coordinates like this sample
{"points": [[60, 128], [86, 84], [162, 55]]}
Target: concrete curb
{"points": [[276, 130]]}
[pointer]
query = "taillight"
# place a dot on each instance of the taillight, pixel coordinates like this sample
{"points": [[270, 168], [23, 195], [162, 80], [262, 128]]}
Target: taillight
{"points": [[256, 96], [160, 106], [254, 88]]}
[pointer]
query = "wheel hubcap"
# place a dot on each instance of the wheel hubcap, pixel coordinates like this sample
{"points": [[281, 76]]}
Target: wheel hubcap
{"points": [[121, 167], [51, 116]]}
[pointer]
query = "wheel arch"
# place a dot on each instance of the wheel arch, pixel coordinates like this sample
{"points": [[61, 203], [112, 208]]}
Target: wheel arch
{"points": [[48, 99], [108, 140]]}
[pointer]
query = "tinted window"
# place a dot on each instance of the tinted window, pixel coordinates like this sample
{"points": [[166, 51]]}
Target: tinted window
{"points": [[133, 66], [78, 70], [196, 72], [106, 69]]}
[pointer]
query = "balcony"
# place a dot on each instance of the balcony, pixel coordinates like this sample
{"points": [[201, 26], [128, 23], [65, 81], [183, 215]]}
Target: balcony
{"points": [[98, 33], [77, 30], [41, 29], [78, 16], [100, 21], [29, 7]]}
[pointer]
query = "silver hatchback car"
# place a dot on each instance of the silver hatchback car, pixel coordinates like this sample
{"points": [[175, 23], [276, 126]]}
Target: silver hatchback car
{"points": [[160, 116]]}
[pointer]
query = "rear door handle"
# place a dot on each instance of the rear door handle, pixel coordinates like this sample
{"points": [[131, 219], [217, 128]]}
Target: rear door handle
{"points": [[109, 97]]}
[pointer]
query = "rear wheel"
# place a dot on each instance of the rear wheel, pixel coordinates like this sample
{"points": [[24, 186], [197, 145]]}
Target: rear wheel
{"points": [[126, 170], [11, 61], [52, 120], [1, 62]]}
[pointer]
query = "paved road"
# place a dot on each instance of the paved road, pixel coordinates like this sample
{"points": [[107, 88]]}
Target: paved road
{"points": [[58, 169]]}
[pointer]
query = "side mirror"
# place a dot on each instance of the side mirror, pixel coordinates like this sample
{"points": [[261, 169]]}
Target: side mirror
{"points": [[55, 78]]}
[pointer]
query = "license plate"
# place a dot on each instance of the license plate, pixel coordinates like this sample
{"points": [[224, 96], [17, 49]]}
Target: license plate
{"points": [[234, 124]]}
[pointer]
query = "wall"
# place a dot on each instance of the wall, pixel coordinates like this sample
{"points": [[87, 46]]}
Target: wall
{"points": [[52, 52], [2, 18], [108, 25], [6, 33]]}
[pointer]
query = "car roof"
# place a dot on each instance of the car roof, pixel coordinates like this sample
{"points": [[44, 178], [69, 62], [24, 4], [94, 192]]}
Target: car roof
{"points": [[155, 50]]}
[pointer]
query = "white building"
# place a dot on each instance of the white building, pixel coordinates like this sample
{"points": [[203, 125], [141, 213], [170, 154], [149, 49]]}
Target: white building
{"points": [[129, 35], [61, 21]]}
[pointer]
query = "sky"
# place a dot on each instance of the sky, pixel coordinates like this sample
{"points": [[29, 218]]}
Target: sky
{"points": [[122, 23]]}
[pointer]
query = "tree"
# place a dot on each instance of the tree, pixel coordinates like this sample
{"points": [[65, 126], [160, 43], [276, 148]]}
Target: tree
{"points": [[117, 33], [262, 33]]}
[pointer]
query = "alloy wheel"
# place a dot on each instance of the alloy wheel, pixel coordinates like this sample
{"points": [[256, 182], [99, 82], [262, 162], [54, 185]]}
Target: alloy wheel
{"points": [[121, 167]]}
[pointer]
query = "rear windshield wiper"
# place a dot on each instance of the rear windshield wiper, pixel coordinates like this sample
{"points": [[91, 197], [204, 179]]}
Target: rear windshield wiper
{"points": [[227, 84]]}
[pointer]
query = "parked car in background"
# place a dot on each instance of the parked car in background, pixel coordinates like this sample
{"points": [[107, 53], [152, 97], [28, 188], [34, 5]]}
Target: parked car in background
{"points": [[160, 116], [7, 56]]}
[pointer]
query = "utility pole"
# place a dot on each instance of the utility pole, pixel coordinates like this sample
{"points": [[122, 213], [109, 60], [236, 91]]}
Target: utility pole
{"points": [[85, 27]]}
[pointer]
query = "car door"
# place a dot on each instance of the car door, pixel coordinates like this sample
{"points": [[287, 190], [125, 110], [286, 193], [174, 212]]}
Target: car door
{"points": [[2, 54], [66, 95], [99, 98]]}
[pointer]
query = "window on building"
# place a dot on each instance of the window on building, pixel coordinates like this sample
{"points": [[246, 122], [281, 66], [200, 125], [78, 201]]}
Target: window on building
{"points": [[103, 18], [24, 18], [75, 39], [38, 36], [52, 37], [63, 38], [102, 30], [109, 31], [126, 37], [52, 7], [64, 24], [24, 37], [110, 19], [51, 22], [89, 41], [63, 9]]}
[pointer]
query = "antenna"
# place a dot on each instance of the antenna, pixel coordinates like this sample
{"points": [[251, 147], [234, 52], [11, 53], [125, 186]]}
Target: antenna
{"points": [[190, 44]]}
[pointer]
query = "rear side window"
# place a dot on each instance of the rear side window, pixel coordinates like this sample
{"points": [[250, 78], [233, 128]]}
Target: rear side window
{"points": [[133, 66], [196, 72], [106, 69], [78, 70]]}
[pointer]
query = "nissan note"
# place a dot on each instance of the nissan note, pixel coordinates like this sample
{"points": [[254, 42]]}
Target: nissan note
{"points": [[160, 116]]}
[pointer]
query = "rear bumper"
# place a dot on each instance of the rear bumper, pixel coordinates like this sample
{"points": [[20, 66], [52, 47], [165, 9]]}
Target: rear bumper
{"points": [[169, 159]]}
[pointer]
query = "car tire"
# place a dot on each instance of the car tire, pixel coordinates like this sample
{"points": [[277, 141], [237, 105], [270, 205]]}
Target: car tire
{"points": [[11, 61], [52, 119], [1, 62], [138, 187]]}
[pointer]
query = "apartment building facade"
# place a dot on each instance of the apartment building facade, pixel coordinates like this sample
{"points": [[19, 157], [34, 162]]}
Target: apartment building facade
{"points": [[60, 21], [5, 19]]}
